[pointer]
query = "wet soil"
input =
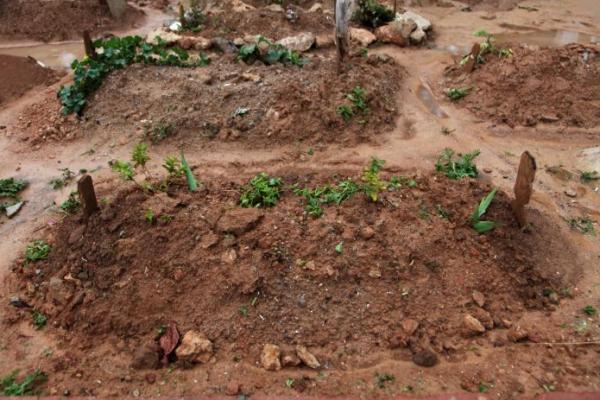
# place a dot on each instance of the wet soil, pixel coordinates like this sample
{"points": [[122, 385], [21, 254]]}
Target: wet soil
{"points": [[229, 101], [516, 90], [20, 74], [247, 277], [51, 20]]}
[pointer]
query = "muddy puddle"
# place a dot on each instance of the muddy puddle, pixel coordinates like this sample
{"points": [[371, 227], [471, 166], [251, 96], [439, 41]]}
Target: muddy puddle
{"points": [[554, 38]]}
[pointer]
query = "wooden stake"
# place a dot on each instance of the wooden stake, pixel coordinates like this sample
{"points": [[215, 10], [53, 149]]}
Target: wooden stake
{"points": [[523, 187], [90, 51], [87, 195]]}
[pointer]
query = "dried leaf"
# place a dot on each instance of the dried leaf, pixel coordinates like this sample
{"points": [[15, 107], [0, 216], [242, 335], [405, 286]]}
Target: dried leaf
{"points": [[168, 341]]}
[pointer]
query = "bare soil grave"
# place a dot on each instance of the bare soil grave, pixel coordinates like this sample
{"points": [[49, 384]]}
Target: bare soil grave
{"points": [[230, 101], [548, 85], [54, 20], [20, 74], [398, 277]]}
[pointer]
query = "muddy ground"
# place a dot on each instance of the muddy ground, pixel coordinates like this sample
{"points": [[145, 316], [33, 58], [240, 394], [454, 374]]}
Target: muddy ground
{"points": [[20, 74], [376, 311], [54, 20]]}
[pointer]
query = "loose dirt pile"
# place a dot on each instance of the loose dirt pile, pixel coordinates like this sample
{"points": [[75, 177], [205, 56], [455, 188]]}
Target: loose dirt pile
{"points": [[231, 101], [558, 85], [406, 275], [50, 20], [492, 5], [20, 74]]}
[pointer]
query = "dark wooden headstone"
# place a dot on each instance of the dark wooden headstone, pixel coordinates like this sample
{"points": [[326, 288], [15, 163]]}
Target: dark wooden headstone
{"points": [[87, 195], [90, 51], [523, 187]]}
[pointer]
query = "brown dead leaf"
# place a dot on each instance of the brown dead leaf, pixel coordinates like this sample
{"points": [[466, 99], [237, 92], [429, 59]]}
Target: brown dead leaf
{"points": [[168, 341]]}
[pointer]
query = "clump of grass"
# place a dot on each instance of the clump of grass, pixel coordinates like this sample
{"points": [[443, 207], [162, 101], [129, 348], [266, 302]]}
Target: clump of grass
{"points": [[36, 251], [582, 224], [262, 191], [11, 386], [71, 204], [123, 168], [590, 310], [38, 319], [372, 13], [457, 168], [139, 155], [357, 97], [457, 93], [476, 222]]}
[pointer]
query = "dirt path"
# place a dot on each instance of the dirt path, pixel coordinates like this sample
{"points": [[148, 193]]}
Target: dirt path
{"points": [[414, 145]]}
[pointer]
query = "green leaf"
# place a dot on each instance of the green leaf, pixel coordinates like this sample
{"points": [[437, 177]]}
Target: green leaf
{"points": [[484, 204], [339, 247], [484, 226], [192, 183]]}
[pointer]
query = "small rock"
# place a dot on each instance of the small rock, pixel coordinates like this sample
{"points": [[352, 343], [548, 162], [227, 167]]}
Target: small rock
{"points": [[270, 357], [290, 360], [516, 334], [232, 388], [209, 240], [366, 233], [410, 326], [549, 118], [317, 7], [17, 302], [375, 273], [487, 170], [422, 22], [239, 220], [417, 36], [58, 292], [194, 348], [362, 36], [396, 32], [301, 42], [146, 357], [473, 324], [274, 8], [247, 76], [399, 339], [324, 40], [11, 211], [479, 298], [425, 358], [571, 193], [76, 235], [240, 6], [307, 358], [224, 45]]}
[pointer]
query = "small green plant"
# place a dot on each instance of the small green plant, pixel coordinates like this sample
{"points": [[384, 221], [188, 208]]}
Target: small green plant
{"points": [[590, 310], [462, 167], [149, 216], [262, 191], [243, 311], [173, 166], [189, 175], [488, 47], [139, 155], [39, 319], [382, 379], [339, 248], [457, 93], [326, 195], [583, 224], [442, 213], [484, 387], [66, 177], [372, 14], [289, 383], [476, 222], [345, 112], [71, 204], [9, 189], [123, 168], [372, 183], [588, 176], [11, 386], [397, 182], [364, 52], [36, 251]]}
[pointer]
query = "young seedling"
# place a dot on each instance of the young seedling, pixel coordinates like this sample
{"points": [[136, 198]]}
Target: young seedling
{"points": [[123, 168], [173, 166], [590, 310], [9, 189], [457, 93], [191, 180], [358, 99], [289, 383], [139, 155], [262, 191], [38, 319], [462, 167], [345, 112], [372, 183], [149, 216], [71, 204], [476, 222], [326, 195], [10, 386], [36, 251], [339, 248]]}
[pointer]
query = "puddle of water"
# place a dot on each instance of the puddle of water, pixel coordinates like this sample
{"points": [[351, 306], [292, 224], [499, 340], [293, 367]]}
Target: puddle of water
{"points": [[547, 38], [53, 55], [426, 97]]}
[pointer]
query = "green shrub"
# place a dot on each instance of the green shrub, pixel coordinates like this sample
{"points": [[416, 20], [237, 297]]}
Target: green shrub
{"points": [[37, 250], [373, 14], [262, 191], [459, 168]]}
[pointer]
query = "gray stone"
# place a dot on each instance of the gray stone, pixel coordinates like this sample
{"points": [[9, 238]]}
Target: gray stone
{"points": [[301, 42]]}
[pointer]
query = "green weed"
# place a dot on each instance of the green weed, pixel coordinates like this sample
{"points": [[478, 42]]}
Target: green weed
{"points": [[149, 216], [326, 195], [191, 180], [71, 204], [139, 155], [588, 176], [339, 248], [345, 112], [123, 168], [457, 93], [476, 222], [462, 167], [357, 97], [36, 251], [289, 383], [39, 319], [590, 310], [372, 183], [173, 166], [9, 189], [262, 191], [160, 131], [382, 379], [10, 386], [583, 224]]}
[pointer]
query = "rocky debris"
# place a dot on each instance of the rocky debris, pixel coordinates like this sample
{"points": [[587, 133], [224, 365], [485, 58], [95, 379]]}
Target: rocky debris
{"points": [[168, 342], [247, 76], [362, 36], [274, 8], [484, 317], [393, 33], [425, 358], [290, 359], [160, 204], [422, 22], [270, 357], [291, 15], [76, 235], [473, 324], [410, 326], [194, 42], [301, 42], [307, 358], [478, 298], [146, 357], [165, 35], [517, 334], [571, 193], [317, 7], [194, 348], [209, 240], [366, 233], [11, 211], [405, 29], [375, 273], [239, 220], [324, 40], [58, 292], [417, 36], [224, 45], [240, 6]]}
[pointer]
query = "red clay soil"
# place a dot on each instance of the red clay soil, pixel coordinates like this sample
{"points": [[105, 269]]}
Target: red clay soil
{"points": [[53, 20], [551, 85], [20, 74], [398, 287], [285, 104]]}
